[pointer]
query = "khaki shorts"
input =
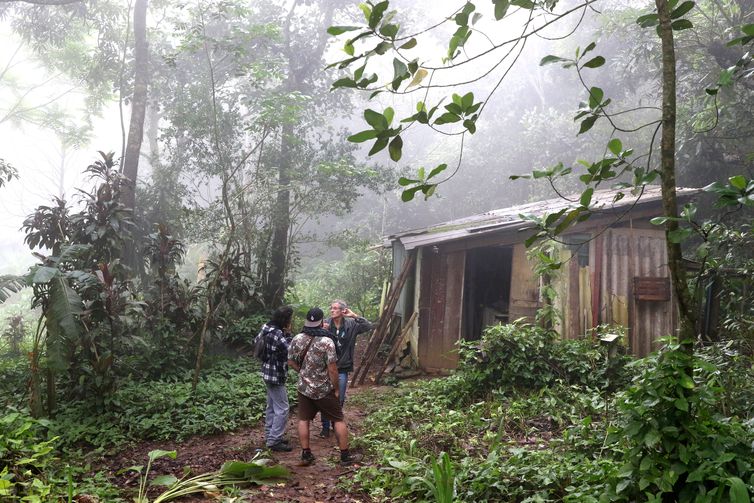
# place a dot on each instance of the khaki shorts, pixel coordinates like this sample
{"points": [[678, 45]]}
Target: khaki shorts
{"points": [[329, 406]]}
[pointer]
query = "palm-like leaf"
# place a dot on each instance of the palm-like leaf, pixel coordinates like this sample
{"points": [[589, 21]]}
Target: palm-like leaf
{"points": [[9, 285]]}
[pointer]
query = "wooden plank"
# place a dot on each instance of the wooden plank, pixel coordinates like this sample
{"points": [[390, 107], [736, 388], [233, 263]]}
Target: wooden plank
{"points": [[382, 325], [524, 293], [456, 265], [654, 289], [574, 295]]}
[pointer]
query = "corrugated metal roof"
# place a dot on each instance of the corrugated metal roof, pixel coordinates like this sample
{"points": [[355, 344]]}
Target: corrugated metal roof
{"points": [[603, 201]]}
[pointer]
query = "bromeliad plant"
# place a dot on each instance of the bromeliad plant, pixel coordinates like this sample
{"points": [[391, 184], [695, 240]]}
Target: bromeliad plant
{"points": [[232, 473]]}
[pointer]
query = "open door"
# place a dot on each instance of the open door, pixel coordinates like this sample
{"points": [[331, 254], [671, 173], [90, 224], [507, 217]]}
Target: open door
{"points": [[486, 289]]}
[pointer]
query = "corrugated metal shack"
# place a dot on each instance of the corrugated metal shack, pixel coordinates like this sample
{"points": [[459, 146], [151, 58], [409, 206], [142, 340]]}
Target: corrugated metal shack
{"points": [[473, 272]]}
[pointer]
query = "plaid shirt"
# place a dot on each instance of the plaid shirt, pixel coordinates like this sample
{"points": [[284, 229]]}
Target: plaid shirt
{"points": [[275, 366]]}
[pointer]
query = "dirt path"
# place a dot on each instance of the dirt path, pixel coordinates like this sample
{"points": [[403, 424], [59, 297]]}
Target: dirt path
{"points": [[316, 483]]}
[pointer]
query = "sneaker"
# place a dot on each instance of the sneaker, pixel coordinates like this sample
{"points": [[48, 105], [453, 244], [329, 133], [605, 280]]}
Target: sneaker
{"points": [[307, 459], [281, 447], [350, 459], [325, 433]]}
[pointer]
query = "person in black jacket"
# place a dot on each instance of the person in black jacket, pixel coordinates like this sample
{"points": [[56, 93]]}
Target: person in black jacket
{"points": [[344, 325], [276, 333]]}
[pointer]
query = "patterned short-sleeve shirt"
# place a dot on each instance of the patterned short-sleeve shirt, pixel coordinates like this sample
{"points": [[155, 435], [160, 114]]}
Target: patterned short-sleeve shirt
{"points": [[313, 379]]}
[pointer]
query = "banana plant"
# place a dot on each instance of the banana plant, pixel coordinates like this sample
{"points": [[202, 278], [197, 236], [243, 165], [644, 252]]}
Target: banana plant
{"points": [[232, 473]]}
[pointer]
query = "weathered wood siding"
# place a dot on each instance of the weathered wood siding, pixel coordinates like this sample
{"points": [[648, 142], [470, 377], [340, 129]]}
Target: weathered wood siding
{"points": [[524, 297], [440, 308]]}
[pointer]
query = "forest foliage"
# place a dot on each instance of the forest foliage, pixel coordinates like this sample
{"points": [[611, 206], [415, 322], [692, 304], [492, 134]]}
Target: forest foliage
{"points": [[249, 165]]}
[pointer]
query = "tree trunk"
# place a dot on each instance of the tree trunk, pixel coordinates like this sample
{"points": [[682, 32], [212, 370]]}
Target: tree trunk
{"points": [[281, 222], [138, 102], [686, 310], [300, 67]]}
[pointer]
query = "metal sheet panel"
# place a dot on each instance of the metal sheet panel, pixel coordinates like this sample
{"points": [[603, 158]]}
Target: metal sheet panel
{"points": [[510, 218], [630, 253]]}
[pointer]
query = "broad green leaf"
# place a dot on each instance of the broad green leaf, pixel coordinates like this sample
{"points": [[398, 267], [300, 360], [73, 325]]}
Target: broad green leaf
{"points": [[344, 82], [595, 97], [685, 381], [44, 274], [377, 12], [383, 47], [389, 113], [436, 171], [651, 438], [587, 124], [446, 118], [550, 59], [389, 30], [366, 10], [682, 9], [164, 480], [726, 77], [159, 453], [408, 194], [501, 8], [467, 100], [748, 29], [679, 235], [470, 125], [567, 221], [408, 45], [375, 119], [524, 4], [349, 49], [380, 144], [337, 30], [586, 197], [403, 181], [400, 73], [615, 146], [363, 136], [739, 493], [595, 62], [648, 20], [681, 404], [395, 148], [681, 24], [738, 182], [588, 48]]}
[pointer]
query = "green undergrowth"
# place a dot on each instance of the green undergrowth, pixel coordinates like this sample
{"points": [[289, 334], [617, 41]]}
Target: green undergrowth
{"points": [[229, 395], [44, 460], [531, 418]]}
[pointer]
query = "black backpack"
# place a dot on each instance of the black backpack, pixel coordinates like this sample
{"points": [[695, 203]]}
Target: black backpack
{"points": [[260, 346]]}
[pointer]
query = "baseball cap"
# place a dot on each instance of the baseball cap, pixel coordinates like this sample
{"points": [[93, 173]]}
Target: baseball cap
{"points": [[314, 317]]}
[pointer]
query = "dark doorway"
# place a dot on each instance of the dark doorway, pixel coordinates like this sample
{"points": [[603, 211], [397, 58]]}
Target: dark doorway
{"points": [[486, 289]]}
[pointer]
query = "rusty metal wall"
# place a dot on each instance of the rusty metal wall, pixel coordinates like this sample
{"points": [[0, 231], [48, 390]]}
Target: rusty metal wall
{"points": [[630, 253]]}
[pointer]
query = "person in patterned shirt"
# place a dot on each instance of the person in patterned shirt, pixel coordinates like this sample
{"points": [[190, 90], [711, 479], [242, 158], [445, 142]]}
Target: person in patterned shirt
{"points": [[312, 355], [274, 372]]}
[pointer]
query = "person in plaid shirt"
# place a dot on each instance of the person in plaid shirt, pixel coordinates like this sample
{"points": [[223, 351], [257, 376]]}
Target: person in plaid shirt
{"points": [[274, 372]]}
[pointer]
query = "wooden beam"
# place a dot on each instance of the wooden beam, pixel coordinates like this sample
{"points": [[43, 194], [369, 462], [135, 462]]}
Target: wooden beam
{"points": [[380, 332]]}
